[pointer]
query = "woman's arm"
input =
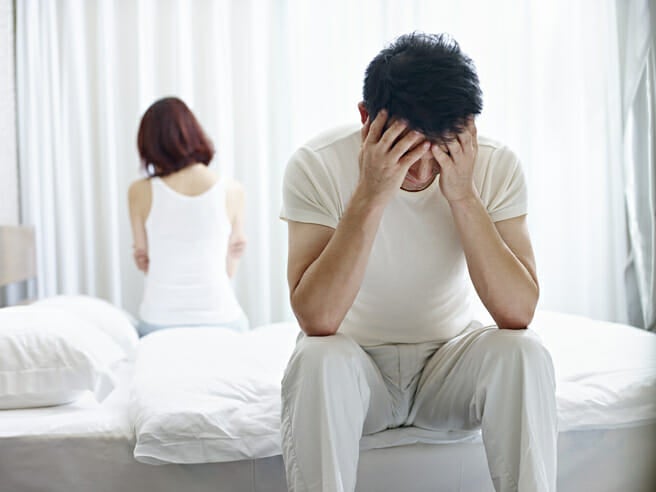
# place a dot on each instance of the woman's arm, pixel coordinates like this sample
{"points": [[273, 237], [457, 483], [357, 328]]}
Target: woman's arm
{"points": [[139, 198], [235, 199]]}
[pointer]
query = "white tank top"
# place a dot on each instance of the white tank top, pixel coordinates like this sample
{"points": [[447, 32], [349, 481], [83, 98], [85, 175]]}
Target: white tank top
{"points": [[187, 282]]}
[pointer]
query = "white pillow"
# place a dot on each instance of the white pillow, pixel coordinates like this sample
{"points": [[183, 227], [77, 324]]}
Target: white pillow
{"points": [[114, 321], [51, 357]]}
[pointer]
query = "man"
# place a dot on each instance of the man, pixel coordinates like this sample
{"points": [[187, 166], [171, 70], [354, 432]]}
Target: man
{"points": [[382, 222]]}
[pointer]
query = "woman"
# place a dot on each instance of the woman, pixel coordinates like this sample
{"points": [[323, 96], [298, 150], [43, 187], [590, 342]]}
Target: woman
{"points": [[187, 225]]}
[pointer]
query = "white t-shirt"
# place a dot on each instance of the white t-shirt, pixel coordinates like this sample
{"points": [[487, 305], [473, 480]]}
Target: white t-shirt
{"points": [[416, 287]]}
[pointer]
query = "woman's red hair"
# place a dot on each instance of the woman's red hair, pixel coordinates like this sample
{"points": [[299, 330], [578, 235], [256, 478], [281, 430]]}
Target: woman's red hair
{"points": [[170, 138]]}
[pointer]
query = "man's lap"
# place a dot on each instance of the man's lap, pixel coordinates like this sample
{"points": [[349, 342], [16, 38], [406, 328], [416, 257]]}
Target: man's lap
{"points": [[430, 384]]}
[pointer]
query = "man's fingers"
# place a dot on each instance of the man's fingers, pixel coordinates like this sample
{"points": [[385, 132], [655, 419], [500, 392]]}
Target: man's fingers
{"points": [[415, 154], [442, 158], [454, 148], [392, 134], [406, 143], [364, 131], [474, 132], [377, 126], [465, 140], [471, 125]]}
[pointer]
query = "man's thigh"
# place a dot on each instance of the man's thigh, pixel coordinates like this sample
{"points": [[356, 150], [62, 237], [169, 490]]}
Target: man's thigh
{"points": [[455, 379], [339, 365]]}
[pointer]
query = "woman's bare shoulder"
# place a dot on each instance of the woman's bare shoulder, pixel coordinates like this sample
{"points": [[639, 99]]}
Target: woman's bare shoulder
{"points": [[138, 187], [139, 194]]}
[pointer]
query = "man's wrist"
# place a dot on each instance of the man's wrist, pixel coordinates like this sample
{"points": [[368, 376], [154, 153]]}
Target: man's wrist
{"points": [[467, 202], [366, 203]]}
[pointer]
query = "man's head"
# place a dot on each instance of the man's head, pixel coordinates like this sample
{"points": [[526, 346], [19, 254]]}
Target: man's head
{"points": [[426, 80]]}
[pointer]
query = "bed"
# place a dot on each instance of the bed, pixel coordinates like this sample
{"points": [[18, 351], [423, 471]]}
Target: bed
{"points": [[607, 420], [209, 420]]}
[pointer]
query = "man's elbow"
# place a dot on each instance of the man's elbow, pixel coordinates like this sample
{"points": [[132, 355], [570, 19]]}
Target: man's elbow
{"points": [[515, 319], [314, 323], [315, 326], [313, 330]]}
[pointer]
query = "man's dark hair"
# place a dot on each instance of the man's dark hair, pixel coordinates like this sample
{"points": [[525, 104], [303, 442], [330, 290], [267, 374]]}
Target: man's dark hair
{"points": [[426, 80]]}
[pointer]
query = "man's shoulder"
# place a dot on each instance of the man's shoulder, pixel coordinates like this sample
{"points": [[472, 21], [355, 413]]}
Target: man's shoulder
{"points": [[490, 145], [492, 152], [320, 176], [333, 152], [341, 136]]}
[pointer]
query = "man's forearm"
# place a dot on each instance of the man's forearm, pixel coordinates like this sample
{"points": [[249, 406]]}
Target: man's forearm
{"points": [[328, 287], [504, 284]]}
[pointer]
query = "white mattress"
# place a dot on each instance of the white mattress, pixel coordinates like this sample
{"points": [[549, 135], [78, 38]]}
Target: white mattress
{"points": [[607, 418], [617, 460]]}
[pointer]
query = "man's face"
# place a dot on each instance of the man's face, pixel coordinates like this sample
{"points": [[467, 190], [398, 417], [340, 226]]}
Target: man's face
{"points": [[422, 173]]}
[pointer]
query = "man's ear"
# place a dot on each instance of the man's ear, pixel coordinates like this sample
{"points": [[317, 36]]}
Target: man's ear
{"points": [[364, 114]]}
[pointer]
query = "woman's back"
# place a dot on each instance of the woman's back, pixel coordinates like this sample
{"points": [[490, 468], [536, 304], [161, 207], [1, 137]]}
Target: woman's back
{"points": [[192, 180], [188, 230], [187, 224]]}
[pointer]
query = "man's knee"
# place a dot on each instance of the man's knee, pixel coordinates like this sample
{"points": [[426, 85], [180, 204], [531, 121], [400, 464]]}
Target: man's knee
{"points": [[517, 347], [322, 355]]}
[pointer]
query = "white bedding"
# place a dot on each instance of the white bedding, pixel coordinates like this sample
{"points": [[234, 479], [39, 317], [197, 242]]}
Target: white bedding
{"points": [[207, 395], [606, 372], [84, 417], [203, 395], [89, 446]]}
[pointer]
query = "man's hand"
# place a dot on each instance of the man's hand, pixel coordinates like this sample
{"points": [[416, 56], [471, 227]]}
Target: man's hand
{"points": [[386, 155], [457, 165]]}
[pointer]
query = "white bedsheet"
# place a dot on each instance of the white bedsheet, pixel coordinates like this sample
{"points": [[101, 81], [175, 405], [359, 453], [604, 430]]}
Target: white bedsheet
{"points": [[209, 395], [206, 395], [606, 372]]}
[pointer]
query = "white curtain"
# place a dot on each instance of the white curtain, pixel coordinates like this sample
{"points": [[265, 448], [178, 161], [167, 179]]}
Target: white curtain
{"points": [[263, 76], [637, 55]]}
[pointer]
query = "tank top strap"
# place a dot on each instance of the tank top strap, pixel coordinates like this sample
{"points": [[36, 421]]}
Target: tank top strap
{"points": [[155, 192], [156, 185], [218, 187]]}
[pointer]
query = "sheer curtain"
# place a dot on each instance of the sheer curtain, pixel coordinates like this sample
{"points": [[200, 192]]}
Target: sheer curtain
{"points": [[263, 76], [637, 55]]}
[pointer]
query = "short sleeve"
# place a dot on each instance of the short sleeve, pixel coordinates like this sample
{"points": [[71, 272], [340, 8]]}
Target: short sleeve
{"points": [[503, 189], [308, 194]]}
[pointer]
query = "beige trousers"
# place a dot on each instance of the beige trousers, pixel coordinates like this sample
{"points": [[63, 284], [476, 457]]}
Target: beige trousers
{"points": [[334, 391]]}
